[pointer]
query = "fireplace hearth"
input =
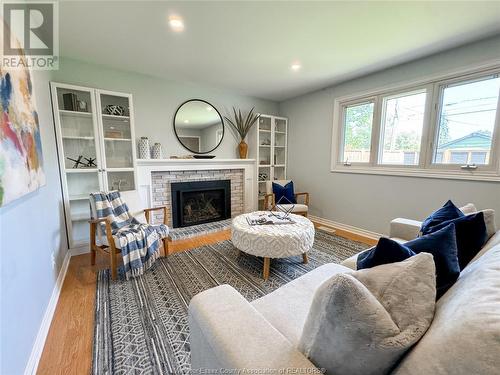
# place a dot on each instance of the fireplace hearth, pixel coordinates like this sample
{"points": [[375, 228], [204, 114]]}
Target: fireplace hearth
{"points": [[199, 202]]}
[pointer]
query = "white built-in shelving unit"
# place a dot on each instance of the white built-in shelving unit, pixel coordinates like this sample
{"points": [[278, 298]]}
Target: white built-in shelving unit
{"points": [[269, 147], [107, 140]]}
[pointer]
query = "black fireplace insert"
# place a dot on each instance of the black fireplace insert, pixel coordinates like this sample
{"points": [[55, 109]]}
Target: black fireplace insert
{"points": [[199, 202]]}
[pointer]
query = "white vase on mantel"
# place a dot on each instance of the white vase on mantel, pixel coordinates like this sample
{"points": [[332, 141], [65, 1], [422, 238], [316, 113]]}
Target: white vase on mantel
{"points": [[157, 151], [144, 149]]}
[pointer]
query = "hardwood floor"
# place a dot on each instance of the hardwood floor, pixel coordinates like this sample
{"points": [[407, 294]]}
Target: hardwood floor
{"points": [[68, 348]]}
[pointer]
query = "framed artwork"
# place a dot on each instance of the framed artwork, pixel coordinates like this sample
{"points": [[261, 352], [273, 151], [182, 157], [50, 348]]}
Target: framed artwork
{"points": [[21, 160]]}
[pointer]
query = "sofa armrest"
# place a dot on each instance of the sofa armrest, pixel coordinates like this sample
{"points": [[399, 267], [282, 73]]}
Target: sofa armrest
{"points": [[404, 229], [352, 262], [227, 332]]}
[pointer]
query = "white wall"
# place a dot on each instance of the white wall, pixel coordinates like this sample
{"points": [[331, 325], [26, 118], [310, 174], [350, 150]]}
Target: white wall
{"points": [[156, 100], [32, 233], [371, 201]]}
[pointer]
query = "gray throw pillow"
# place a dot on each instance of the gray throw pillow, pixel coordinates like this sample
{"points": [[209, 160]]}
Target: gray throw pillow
{"points": [[362, 322]]}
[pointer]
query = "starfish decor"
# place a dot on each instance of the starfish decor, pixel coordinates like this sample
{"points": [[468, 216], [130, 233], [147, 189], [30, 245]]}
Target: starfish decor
{"points": [[77, 162]]}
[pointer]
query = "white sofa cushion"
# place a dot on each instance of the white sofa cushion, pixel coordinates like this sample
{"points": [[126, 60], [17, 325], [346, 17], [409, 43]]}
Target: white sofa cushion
{"points": [[464, 337], [287, 307], [489, 217], [362, 322], [489, 221], [227, 333], [469, 208]]}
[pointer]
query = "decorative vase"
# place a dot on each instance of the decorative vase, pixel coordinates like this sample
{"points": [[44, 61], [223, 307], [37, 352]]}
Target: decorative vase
{"points": [[144, 150], [157, 151], [243, 149]]}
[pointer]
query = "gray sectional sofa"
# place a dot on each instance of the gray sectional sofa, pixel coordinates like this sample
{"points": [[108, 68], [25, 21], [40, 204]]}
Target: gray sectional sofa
{"points": [[228, 332]]}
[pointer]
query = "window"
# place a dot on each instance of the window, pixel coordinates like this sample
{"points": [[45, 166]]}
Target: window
{"points": [[439, 157], [358, 120], [402, 123], [446, 127], [467, 120], [478, 157], [458, 157]]}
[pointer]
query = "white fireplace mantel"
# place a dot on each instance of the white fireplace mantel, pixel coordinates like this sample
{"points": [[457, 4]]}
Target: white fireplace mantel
{"points": [[249, 166]]}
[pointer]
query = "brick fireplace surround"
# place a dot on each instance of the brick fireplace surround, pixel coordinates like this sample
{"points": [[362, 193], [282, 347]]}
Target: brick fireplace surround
{"points": [[154, 177], [161, 189]]}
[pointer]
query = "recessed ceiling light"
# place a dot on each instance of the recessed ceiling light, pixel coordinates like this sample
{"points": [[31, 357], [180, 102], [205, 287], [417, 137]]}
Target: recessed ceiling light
{"points": [[186, 121], [295, 66], [176, 23], [209, 108]]}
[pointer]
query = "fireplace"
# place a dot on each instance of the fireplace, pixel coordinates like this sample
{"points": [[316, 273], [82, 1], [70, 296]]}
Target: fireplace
{"points": [[199, 202]]}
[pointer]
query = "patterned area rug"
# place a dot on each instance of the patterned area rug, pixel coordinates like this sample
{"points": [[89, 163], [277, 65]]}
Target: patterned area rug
{"points": [[141, 324], [199, 230]]}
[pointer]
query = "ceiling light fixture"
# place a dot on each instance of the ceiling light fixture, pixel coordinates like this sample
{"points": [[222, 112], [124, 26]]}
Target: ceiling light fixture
{"points": [[186, 121], [295, 66], [176, 23], [209, 108]]}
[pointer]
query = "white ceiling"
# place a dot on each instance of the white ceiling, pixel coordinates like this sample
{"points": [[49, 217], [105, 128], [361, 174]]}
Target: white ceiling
{"points": [[248, 46]]}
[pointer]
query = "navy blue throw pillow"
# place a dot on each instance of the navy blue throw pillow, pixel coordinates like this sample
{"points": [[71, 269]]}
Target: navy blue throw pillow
{"points": [[448, 212], [284, 194], [442, 244], [386, 251], [471, 235]]}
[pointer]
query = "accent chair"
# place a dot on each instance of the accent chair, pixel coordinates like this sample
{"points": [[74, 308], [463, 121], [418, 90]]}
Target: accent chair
{"points": [[106, 243], [270, 199]]}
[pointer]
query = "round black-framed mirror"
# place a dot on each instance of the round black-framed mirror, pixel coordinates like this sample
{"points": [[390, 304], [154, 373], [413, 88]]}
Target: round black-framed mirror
{"points": [[198, 126]]}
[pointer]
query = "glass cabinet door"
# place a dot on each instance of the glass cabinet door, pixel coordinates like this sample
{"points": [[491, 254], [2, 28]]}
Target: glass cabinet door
{"points": [[264, 140], [117, 141], [279, 148], [78, 131], [79, 155]]}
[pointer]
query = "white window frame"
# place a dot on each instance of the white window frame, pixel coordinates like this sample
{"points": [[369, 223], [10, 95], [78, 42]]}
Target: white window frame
{"points": [[341, 139], [401, 94], [439, 88], [434, 87]]}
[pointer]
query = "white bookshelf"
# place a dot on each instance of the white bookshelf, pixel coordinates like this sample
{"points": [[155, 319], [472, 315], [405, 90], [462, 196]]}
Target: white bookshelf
{"points": [[108, 140], [269, 147]]}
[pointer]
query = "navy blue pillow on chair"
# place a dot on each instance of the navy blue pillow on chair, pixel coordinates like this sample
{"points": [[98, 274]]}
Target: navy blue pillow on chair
{"points": [[284, 194], [448, 212], [442, 244], [471, 235], [386, 251]]}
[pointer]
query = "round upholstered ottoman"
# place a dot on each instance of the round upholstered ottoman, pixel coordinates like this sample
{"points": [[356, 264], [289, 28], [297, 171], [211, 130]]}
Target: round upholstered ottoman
{"points": [[273, 241]]}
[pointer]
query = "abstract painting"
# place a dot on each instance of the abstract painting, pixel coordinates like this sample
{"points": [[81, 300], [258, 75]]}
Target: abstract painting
{"points": [[21, 161]]}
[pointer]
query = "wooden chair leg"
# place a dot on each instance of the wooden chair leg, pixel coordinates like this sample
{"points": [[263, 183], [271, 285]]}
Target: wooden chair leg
{"points": [[265, 271], [112, 261], [92, 243], [165, 247], [92, 255], [304, 258]]}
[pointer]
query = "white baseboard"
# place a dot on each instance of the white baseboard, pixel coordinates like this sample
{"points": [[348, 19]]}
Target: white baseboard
{"points": [[79, 250], [348, 228], [36, 351]]}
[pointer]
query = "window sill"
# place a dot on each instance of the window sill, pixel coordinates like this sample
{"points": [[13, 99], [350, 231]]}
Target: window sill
{"points": [[422, 173]]}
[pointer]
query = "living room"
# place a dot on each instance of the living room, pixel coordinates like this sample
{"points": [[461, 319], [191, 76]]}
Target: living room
{"points": [[215, 187]]}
